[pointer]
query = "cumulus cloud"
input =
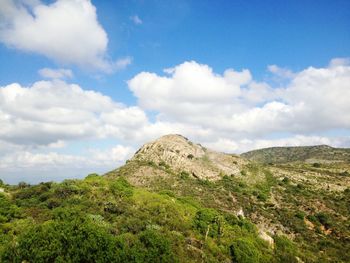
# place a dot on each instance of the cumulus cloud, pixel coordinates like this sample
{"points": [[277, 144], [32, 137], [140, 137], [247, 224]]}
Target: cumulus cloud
{"points": [[314, 100], [25, 159], [280, 72], [50, 160], [50, 111], [66, 31], [113, 156], [243, 145], [55, 73]]}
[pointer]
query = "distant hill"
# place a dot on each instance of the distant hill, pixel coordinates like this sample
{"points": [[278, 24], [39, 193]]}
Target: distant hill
{"points": [[319, 153]]}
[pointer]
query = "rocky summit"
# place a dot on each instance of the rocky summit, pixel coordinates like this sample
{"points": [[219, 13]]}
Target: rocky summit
{"points": [[183, 155]]}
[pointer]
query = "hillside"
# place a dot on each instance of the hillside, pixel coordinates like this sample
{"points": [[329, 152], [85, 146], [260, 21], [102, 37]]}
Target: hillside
{"points": [[320, 153], [176, 201]]}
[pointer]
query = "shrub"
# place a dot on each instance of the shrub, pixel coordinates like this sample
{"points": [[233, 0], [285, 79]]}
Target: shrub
{"points": [[22, 185], [121, 188], [184, 175], [156, 247], [285, 250], [324, 219], [75, 240], [92, 176], [312, 218], [149, 246], [66, 189], [8, 210], [316, 165], [205, 221], [262, 196], [345, 173], [300, 215], [286, 180], [164, 164], [190, 156], [243, 250]]}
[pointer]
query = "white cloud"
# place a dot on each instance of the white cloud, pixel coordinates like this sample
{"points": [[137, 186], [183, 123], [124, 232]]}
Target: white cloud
{"points": [[50, 111], [23, 159], [244, 145], [121, 63], [66, 31], [113, 156], [280, 72], [136, 20], [314, 100], [55, 73]]}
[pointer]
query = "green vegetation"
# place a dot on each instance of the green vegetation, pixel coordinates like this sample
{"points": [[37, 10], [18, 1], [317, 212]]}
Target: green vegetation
{"points": [[147, 212], [101, 219]]}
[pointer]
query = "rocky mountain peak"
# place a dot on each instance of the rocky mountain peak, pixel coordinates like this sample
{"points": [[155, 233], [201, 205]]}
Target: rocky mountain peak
{"points": [[179, 153]]}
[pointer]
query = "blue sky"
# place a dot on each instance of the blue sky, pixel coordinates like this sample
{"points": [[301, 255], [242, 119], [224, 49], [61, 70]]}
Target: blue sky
{"points": [[244, 75]]}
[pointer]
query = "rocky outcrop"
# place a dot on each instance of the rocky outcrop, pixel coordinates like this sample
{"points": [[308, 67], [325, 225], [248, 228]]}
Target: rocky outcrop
{"points": [[264, 236], [182, 155]]}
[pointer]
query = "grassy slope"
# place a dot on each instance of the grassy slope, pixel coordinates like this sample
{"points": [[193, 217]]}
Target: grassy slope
{"points": [[278, 199]]}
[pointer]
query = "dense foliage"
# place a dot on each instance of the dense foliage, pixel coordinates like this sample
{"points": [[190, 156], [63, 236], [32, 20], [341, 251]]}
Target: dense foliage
{"points": [[107, 220]]}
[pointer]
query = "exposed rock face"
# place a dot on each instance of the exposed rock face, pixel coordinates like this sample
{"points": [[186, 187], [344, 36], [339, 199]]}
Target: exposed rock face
{"points": [[240, 213], [182, 155], [264, 236]]}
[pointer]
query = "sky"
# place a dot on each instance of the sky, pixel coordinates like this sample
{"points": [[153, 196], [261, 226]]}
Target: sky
{"points": [[83, 84]]}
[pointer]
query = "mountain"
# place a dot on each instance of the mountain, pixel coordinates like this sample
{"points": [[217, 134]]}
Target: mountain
{"points": [[181, 155], [176, 201], [320, 153]]}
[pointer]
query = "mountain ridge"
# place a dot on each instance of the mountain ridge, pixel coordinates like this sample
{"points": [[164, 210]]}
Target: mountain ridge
{"points": [[281, 154]]}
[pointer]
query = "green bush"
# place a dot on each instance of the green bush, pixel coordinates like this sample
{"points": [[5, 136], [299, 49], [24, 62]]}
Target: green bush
{"points": [[204, 219], [8, 211], [316, 165], [156, 247], [286, 180], [121, 188], [324, 219], [92, 176], [184, 175], [77, 240], [285, 250], [243, 250], [149, 246], [300, 215], [345, 173], [66, 189]]}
